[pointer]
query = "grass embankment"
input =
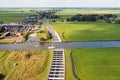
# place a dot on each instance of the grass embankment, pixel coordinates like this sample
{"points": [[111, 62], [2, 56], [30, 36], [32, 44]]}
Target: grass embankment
{"points": [[68, 66], [97, 64], [14, 16], [2, 53], [25, 35], [44, 35], [6, 41], [30, 65], [87, 31]]}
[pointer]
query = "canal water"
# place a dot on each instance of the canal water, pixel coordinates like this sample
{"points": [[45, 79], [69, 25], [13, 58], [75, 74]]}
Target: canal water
{"points": [[99, 44], [66, 45]]}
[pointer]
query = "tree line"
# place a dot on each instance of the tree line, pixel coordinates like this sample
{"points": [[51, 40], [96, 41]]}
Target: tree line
{"points": [[110, 18], [50, 14]]}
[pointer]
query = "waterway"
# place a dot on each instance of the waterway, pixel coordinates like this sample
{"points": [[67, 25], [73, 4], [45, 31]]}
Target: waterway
{"points": [[33, 45]]}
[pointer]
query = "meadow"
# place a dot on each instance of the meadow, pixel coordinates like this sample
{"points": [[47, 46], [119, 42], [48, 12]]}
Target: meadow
{"points": [[97, 64], [87, 11], [87, 31], [28, 65], [14, 16]]}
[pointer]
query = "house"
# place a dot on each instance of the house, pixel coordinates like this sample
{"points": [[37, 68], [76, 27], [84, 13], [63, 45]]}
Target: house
{"points": [[19, 33], [22, 22]]}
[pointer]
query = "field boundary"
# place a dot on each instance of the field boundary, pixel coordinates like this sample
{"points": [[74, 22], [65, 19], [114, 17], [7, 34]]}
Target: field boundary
{"points": [[73, 67], [63, 36], [44, 64]]}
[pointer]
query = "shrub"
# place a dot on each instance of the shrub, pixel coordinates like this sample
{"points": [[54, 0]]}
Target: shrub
{"points": [[2, 76]]}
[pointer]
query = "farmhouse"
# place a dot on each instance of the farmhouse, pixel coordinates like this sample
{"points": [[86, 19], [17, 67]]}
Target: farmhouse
{"points": [[22, 22]]}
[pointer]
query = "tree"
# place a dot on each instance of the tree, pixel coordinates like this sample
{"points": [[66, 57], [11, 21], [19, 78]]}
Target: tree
{"points": [[1, 22], [117, 21], [68, 19], [2, 29], [2, 76], [101, 17]]}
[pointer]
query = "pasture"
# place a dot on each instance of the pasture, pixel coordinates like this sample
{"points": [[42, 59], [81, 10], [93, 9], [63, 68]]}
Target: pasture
{"points": [[87, 11], [87, 31], [97, 64], [14, 16]]}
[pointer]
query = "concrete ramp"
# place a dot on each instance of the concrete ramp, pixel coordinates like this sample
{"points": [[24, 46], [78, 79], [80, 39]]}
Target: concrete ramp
{"points": [[57, 71]]}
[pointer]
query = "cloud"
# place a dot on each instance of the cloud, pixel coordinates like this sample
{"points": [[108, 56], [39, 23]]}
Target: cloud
{"points": [[59, 3]]}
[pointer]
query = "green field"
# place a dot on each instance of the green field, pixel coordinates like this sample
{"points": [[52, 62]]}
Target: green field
{"points": [[30, 65], [86, 11], [14, 16], [97, 64], [87, 31]]}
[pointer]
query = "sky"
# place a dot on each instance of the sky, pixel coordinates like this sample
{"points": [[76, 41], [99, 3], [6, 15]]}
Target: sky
{"points": [[60, 3]]}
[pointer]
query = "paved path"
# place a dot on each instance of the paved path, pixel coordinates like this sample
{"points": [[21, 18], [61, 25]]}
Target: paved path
{"points": [[57, 70], [55, 36]]}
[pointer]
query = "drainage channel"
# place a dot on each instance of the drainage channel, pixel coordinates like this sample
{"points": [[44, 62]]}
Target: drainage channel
{"points": [[57, 71]]}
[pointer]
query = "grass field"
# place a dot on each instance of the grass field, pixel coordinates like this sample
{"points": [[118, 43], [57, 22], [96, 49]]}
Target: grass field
{"points": [[7, 41], [97, 64], [87, 31], [30, 65], [86, 11], [13, 16]]}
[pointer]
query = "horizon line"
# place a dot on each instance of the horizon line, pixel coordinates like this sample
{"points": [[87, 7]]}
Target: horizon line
{"points": [[58, 7]]}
